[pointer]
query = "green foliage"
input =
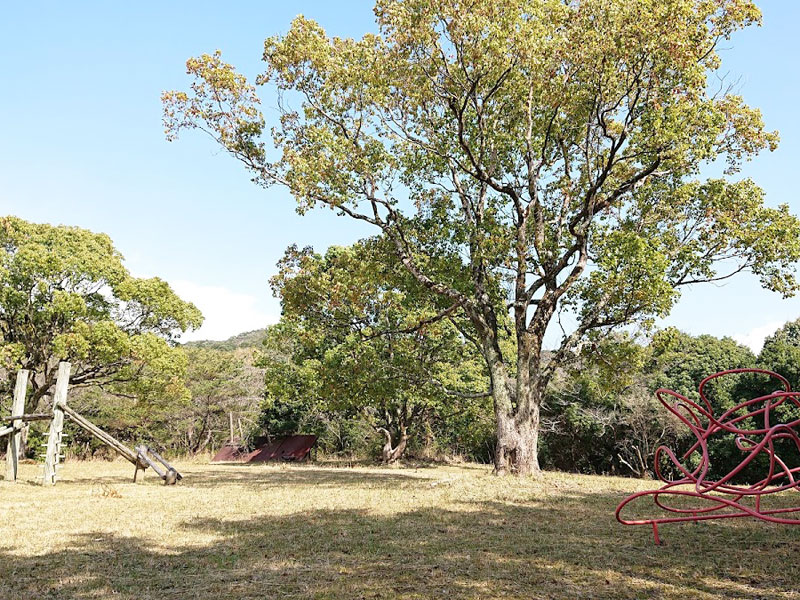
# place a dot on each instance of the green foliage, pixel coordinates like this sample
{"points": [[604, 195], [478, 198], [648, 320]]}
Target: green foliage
{"points": [[680, 362], [606, 417], [540, 156], [221, 383], [65, 295], [781, 353], [194, 418], [247, 339], [294, 401], [359, 339]]}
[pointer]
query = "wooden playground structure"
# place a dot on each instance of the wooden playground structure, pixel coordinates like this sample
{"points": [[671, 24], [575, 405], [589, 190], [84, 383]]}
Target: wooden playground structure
{"points": [[141, 458]]}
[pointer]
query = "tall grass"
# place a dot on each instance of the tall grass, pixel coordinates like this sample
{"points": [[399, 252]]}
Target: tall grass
{"points": [[325, 532]]}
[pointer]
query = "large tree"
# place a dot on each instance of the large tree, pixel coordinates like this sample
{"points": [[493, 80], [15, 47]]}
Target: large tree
{"points": [[66, 295], [526, 159]]}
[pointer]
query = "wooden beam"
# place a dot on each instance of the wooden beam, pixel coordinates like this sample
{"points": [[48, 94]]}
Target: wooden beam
{"points": [[15, 437], [28, 417], [164, 462], [56, 425], [6, 430], [142, 454], [103, 436]]}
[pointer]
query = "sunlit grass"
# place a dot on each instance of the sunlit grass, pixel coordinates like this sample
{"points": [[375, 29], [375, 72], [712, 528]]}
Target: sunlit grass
{"points": [[306, 531]]}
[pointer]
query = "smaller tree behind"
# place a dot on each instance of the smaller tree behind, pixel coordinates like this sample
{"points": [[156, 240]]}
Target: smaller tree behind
{"points": [[223, 384], [294, 401], [368, 341]]}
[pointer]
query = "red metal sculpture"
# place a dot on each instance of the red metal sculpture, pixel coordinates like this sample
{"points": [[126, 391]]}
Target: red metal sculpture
{"points": [[721, 499]]}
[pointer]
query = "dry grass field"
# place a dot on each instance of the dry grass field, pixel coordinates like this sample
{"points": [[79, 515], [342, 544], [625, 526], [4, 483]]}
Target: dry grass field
{"points": [[306, 531]]}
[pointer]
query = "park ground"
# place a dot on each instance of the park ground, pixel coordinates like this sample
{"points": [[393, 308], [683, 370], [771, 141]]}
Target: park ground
{"points": [[316, 531]]}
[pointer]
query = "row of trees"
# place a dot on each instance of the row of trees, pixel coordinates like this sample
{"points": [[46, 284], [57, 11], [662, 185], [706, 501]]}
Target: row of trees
{"points": [[350, 357], [218, 390], [360, 357], [600, 414], [605, 417], [524, 163]]}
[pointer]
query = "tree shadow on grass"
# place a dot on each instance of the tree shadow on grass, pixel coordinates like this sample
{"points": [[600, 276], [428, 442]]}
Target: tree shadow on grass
{"points": [[565, 546], [261, 474], [293, 474]]}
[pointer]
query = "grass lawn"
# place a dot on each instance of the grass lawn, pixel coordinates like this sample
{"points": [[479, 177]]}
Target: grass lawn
{"points": [[307, 531]]}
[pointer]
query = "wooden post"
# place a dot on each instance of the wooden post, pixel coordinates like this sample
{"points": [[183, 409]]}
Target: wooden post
{"points": [[15, 437], [230, 418], [56, 425]]}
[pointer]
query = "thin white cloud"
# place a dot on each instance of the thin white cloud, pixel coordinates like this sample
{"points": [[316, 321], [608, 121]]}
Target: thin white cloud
{"points": [[226, 312], [754, 339]]}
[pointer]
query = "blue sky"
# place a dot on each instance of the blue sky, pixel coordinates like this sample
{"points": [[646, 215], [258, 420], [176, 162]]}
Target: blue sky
{"points": [[83, 144]]}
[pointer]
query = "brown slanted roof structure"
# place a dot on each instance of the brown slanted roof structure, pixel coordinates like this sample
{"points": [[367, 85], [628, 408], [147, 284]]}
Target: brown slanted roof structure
{"points": [[293, 447], [228, 453]]}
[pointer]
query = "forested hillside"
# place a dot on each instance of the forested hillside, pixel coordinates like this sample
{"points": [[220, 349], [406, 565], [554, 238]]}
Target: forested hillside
{"points": [[247, 339]]}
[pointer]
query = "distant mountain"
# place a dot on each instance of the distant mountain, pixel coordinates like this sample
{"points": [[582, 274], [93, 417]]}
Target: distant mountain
{"points": [[248, 339]]}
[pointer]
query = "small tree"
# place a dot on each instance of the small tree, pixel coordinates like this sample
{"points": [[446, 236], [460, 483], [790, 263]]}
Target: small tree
{"points": [[222, 383], [524, 159], [65, 295], [781, 353], [357, 322]]}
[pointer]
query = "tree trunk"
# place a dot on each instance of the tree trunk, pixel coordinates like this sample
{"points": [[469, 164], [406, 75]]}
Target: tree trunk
{"points": [[190, 439], [517, 420], [389, 454], [428, 439], [517, 444], [203, 444]]}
